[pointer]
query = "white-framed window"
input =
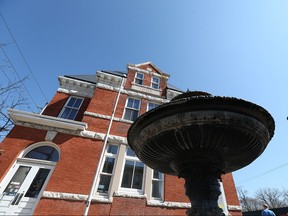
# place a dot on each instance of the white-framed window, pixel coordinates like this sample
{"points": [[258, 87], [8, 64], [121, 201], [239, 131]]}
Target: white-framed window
{"points": [[157, 185], [151, 106], [155, 82], [139, 78], [107, 169], [71, 108], [133, 173], [132, 109]]}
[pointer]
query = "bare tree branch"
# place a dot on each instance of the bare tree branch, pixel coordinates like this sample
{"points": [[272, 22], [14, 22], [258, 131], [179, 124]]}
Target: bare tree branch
{"points": [[10, 97]]}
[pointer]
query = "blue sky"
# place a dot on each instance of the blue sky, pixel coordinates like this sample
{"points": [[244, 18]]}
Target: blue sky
{"points": [[227, 48]]}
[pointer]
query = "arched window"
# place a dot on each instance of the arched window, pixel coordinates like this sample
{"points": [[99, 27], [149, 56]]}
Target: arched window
{"points": [[43, 153]]}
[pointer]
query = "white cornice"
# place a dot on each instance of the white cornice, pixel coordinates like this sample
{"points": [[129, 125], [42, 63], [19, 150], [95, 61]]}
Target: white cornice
{"points": [[108, 79], [133, 93], [49, 123], [20, 117], [76, 87]]}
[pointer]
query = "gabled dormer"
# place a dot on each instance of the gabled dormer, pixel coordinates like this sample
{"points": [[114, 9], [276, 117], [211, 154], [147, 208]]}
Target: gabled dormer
{"points": [[146, 78]]}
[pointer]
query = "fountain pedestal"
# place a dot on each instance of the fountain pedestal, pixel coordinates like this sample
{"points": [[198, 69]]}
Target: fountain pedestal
{"points": [[203, 190]]}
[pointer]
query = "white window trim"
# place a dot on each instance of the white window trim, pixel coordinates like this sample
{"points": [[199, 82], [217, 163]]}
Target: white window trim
{"points": [[136, 78], [39, 144], [64, 107], [155, 83], [162, 188], [112, 174], [131, 108], [131, 190]]}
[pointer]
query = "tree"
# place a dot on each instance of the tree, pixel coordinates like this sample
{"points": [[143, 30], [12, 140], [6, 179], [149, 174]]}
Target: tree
{"points": [[273, 197], [10, 97], [247, 203]]}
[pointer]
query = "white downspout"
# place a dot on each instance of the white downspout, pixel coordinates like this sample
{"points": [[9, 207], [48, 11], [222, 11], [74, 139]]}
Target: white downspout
{"points": [[88, 202]]}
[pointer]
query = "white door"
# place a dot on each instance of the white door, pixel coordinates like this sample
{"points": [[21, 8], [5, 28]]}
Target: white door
{"points": [[22, 188]]}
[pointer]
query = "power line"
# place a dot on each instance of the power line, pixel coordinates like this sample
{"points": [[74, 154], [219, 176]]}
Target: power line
{"points": [[24, 58], [264, 173], [15, 88], [17, 75]]}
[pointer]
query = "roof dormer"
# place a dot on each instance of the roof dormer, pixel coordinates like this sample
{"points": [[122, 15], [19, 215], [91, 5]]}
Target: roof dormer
{"points": [[146, 77]]}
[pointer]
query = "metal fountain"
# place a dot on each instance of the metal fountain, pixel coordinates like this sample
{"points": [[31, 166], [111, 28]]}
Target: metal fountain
{"points": [[199, 137]]}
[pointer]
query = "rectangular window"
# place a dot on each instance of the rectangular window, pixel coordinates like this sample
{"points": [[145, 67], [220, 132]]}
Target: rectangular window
{"points": [[157, 185], [107, 169], [133, 172], [139, 78], [132, 109], [71, 108], [151, 106], [155, 83]]}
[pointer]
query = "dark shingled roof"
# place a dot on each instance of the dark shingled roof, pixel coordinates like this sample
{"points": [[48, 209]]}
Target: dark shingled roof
{"points": [[92, 78]]}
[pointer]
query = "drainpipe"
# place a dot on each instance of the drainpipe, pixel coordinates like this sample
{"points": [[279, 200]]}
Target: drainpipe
{"points": [[88, 201]]}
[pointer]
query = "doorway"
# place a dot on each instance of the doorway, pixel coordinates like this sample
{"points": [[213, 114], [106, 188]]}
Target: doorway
{"points": [[23, 186]]}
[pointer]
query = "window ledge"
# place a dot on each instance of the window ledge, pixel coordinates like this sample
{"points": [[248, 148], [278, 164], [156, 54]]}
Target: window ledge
{"points": [[169, 204], [146, 89], [50, 121], [129, 195]]}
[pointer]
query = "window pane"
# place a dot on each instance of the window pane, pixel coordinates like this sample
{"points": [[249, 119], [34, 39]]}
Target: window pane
{"points": [[156, 189], [155, 86], [157, 175], [65, 114], [72, 114], [136, 104], [104, 183], [130, 102], [17, 181], [139, 75], [108, 165], [128, 174], [131, 115], [138, 175], [77, 103], [152, 106], [155, 80], [130, 152], [128, 114], [71, 102], [134, 115], [37, 183], [43, 153], [112, 149]]}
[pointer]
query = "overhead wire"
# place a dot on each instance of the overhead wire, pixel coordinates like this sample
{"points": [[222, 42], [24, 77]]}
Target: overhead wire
{"points": [[15, 88], [264, 173], [12, 66], [29, 68]]}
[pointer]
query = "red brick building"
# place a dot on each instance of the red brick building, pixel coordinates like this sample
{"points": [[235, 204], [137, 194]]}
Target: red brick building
{"points": [[50, 159]]}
